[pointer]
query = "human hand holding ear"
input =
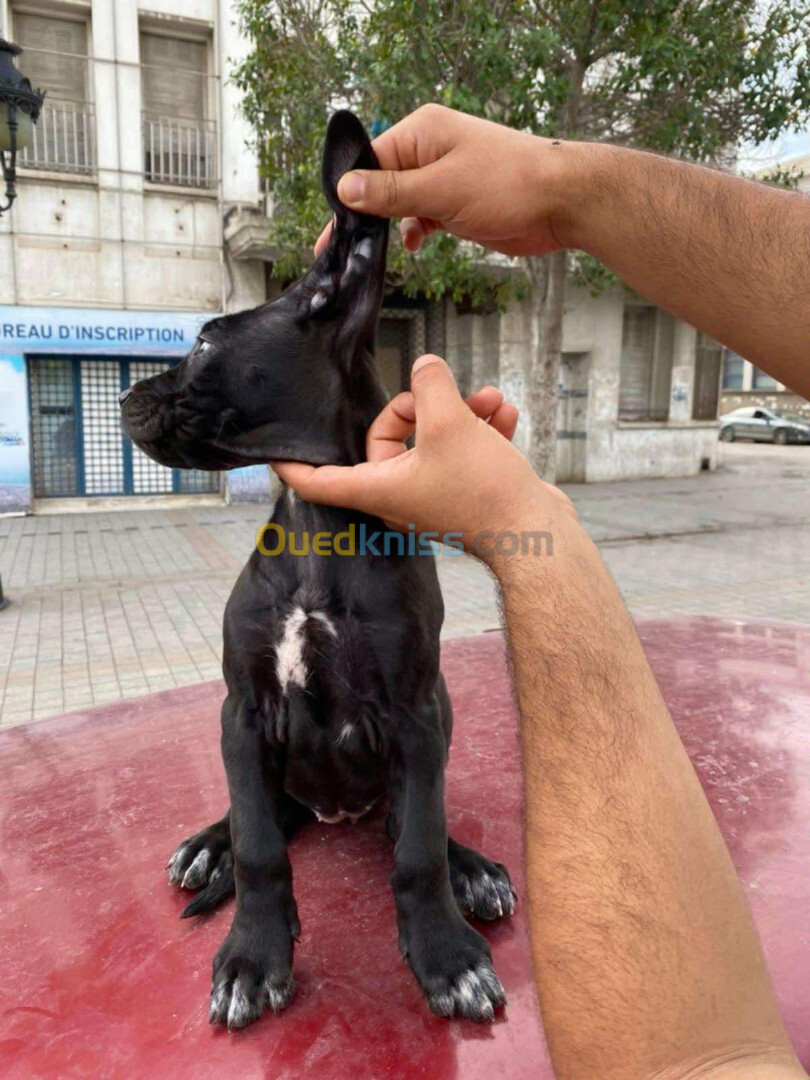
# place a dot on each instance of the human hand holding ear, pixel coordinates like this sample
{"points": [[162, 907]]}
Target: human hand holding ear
{"points": [[463, 475], [442, 169]]}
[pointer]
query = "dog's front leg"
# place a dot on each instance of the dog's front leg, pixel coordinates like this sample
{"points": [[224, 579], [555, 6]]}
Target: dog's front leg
{"points": [[253, 968], [449, 958]]}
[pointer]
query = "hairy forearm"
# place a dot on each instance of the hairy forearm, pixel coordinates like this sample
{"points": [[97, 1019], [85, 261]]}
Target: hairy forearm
{"points": [[646, 959], [729, 256]]}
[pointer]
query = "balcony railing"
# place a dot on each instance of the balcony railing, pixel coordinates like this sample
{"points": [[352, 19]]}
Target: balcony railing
{"points": [[181, 152], [63, 138]]}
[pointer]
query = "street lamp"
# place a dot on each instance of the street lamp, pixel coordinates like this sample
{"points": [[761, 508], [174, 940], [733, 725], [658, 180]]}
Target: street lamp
{"points": [[19, 110]]}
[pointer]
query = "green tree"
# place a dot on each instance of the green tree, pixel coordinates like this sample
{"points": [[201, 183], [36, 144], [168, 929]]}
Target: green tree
{"points": [[686, 77]]}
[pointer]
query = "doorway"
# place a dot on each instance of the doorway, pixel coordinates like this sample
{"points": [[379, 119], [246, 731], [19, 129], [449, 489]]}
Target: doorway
{"points": [[77, 445], [572, 417]]}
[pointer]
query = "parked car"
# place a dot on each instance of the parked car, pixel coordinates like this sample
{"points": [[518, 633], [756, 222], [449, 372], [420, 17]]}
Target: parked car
{"points": [[762, 425]]}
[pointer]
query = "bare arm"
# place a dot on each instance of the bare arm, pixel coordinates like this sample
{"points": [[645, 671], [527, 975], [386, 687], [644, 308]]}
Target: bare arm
{"points": [[729, 256], [646, 959]]}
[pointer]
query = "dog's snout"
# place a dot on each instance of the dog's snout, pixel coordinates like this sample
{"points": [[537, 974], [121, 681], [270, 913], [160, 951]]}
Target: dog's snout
{"points": [[122, 397]]}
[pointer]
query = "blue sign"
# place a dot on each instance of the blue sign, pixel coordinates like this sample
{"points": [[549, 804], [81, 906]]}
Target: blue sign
{"points": [[28, 331], [120, 333]]}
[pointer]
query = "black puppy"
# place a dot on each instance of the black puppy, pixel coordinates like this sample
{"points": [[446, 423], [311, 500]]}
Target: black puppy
{"points": [[335, 698]]}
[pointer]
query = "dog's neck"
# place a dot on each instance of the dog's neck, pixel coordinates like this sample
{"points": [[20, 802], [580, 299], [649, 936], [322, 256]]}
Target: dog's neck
{"points": [[354, 412]]}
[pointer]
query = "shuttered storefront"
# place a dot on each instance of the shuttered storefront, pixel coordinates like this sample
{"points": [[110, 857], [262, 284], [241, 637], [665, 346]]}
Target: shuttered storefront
{"points": [[78, 448], [646, 364]]}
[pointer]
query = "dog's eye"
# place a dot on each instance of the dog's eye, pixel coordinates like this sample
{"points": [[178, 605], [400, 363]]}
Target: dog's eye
{"points": [[202, 345]]}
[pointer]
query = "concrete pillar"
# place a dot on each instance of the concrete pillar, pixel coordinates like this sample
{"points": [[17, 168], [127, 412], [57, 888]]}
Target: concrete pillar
{"points": [[484, 350], [683, 373], [458, 338], [116, 219], [514, 362], [239, 164], [594, 326]]}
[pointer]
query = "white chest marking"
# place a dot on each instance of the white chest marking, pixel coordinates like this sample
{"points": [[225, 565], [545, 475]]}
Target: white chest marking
{"points": [[291, 667]]}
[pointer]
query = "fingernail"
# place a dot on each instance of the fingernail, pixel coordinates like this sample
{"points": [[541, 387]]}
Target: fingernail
{"points": [[423, 361], [352, 188]]}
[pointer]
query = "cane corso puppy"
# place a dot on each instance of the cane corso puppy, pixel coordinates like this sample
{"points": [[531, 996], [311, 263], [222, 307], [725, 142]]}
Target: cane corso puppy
{"points": [[334, 695]]}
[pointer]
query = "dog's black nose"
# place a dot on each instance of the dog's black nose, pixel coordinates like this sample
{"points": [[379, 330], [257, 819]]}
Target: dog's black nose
{"points": [[122, 397]]}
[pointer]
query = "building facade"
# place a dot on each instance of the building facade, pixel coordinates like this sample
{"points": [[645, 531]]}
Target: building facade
{"points": [[638, 390], [140, 215], [113, 254]]}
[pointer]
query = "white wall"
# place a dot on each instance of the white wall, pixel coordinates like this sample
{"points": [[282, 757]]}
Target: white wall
{"points": [[499, 349], [112, 240]]}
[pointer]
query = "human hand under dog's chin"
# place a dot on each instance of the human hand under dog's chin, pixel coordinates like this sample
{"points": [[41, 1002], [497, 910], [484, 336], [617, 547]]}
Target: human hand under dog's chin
{"points": [[463, 475]]}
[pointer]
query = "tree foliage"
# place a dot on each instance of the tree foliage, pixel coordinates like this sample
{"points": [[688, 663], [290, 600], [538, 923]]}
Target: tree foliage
{"points": [[686, 77]]}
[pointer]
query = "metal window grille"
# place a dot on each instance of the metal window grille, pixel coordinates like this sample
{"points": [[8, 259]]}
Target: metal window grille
{"points": [[63, 138], [102, 442], [52, 390], [179, 151], [402, 329], [78, 446], [55, 47]]}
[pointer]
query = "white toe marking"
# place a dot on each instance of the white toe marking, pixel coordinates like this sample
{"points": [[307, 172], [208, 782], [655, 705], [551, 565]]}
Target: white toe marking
{"points": [[197, 871], [240, 1006], [469, 987], [175, 862], [278, 996], [219, 999]]}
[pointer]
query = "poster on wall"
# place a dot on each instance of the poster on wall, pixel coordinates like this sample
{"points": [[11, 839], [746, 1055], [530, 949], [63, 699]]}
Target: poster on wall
{"points": [[15, 481]]}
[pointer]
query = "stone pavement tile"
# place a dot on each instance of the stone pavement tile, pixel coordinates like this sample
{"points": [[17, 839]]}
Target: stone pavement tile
{"points": [[109, 605]]}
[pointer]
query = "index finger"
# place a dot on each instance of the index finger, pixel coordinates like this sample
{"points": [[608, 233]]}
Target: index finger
{"points": [[357, 487], [417, 140]]}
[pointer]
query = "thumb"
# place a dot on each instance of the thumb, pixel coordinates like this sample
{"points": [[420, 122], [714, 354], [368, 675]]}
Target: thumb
{"points": [[435, 394], [388, 193]]}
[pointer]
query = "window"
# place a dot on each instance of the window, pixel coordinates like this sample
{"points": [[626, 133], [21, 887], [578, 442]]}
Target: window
{"points": [[762, 381], [178, 138], [56, 61], [733, 370], [646, 364], [708, 356]]}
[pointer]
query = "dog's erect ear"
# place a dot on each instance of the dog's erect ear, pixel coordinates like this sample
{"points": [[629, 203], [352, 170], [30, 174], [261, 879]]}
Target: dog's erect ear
{"points": [[346, 282], [346, 147]]}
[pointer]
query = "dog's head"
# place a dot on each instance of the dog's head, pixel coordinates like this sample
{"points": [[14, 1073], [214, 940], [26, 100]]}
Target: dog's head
{"points": [[292, 379]]}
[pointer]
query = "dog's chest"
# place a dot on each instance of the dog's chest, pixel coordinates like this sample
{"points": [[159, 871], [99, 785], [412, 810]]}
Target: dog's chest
{"points": [[328, 715]]}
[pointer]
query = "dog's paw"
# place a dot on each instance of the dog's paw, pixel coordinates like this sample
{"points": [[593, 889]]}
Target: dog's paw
{"points": [[244, 985], [204, 862], [454, 968], [474, 993], [482, 888]]}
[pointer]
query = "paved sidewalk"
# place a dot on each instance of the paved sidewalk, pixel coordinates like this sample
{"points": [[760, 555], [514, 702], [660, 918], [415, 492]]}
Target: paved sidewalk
{"points": [[113, 605]]}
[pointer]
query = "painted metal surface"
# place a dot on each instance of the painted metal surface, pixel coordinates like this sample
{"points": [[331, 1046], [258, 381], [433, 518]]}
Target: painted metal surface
{"points": [[100, 979]]}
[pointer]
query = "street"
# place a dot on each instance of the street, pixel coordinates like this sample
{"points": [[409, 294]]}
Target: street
{"points": [[112, 605]]}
